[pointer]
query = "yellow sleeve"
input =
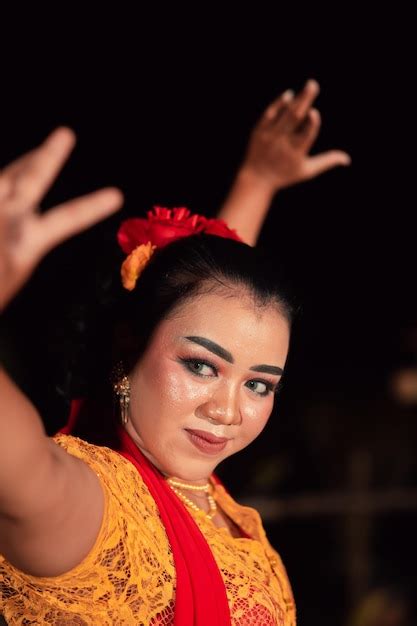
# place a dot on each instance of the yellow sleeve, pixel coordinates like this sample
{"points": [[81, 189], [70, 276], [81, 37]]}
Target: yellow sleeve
{"points": [[109, 580]]}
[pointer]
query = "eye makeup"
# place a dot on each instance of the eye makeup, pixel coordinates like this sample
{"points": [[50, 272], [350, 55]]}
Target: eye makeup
{"points": [[269, 387], [224, 354], [190, 364]]}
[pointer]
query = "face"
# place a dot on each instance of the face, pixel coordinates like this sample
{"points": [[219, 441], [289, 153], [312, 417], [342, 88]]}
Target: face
{"points": [[204, 388]]}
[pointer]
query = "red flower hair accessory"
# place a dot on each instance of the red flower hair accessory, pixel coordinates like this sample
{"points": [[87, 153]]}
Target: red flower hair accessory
{"points": [[139, 237]]}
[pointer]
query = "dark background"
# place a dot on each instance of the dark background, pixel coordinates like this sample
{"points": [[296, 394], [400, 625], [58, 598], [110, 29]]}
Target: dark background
{"points": [[163, 110]]}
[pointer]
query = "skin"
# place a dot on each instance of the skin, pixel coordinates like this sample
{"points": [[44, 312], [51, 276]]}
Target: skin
{"points": [[277, 156], [47, 495], [26, 234], [216, 396]]}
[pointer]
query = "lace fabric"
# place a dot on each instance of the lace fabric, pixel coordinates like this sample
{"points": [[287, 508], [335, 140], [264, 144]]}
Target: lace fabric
{"points": [[129, 575]]}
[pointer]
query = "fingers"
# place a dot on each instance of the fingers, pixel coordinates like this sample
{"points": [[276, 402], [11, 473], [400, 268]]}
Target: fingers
{"points": [[306, 134], [297, 109], [75, 216], [32, 174], [277, 106], [320, 163]]}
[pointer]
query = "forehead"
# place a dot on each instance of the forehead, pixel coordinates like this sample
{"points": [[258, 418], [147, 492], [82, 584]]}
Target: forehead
{"points": [[260, 334]]}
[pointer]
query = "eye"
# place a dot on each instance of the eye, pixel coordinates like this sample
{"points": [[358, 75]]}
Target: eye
{"points": [[260, 387], [199, 367]]}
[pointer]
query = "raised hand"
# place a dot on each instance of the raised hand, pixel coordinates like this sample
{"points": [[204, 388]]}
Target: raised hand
{"points": [[277, 157], [26, 235], [280, 143]]}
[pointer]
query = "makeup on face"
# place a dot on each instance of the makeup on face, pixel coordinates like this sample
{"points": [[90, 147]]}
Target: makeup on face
{"points": [[205, 387], [227, 356], [222, 353], [206, 441]]}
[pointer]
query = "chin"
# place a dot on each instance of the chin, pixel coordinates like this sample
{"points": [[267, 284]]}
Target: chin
{"points": [[188, 468], [183, 463], [191, 470]]}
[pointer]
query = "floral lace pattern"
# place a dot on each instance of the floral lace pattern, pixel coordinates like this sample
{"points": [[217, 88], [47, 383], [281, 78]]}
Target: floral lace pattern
{"points": [[129, 575]]}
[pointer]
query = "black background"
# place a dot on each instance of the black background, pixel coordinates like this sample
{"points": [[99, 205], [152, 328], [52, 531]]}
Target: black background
{"points": [[163, 107]]}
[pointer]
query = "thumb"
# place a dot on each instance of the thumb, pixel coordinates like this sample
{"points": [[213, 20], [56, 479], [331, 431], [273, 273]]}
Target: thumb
{"points": [[320, 163]]}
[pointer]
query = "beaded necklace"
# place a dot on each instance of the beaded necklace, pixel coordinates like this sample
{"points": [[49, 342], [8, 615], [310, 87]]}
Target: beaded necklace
{"points": [[176, 485]]}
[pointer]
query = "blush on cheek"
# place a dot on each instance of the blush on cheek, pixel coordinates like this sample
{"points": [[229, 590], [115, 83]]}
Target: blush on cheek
{"points": [[257, 414], [171, 386], [254, 421], [251, 413], [180, 387]]}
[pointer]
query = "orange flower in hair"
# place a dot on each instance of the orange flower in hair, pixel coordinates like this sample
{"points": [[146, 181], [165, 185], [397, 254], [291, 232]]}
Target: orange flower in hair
{"points": [[158, 229], [135, 263]]}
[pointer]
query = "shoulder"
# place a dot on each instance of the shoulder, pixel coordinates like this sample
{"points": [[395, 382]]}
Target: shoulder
{"points": [[122, 483], [80, 447], [107, 463], [245, 517], [249, 520], [130, 549]]}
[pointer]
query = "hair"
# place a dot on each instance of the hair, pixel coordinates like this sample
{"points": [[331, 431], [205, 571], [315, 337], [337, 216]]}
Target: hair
{"points": [[182, 270]]}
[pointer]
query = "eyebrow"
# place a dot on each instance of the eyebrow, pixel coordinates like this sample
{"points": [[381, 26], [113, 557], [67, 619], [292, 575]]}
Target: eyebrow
{"points": [[227, 356], [268, 369]]}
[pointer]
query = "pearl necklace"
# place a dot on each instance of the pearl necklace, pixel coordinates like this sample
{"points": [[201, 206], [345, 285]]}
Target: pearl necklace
{"points": [[176, 485]]}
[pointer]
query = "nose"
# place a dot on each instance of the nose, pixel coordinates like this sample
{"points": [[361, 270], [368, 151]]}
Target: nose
{"points": [[223, 406]]}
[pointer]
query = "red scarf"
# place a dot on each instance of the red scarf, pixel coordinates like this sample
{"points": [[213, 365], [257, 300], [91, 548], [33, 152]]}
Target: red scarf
{"points": [[200, 592], [200, 598]]}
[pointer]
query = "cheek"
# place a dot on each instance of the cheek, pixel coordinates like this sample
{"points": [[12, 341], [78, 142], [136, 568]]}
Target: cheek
{"points": [[177, 388], [255, 416]]}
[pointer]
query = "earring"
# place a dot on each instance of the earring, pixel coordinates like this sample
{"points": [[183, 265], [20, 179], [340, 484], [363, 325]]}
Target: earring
{"points": [[121, 388]]}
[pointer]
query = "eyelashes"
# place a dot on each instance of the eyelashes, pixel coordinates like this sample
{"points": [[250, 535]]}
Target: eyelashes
{"points": [[191, 365], [199, 367]]}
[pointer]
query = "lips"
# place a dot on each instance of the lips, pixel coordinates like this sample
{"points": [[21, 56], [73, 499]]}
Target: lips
{"points": [[206, 442], [207, 436]]}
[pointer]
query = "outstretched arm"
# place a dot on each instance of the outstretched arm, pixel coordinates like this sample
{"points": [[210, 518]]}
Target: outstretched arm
{"points": [[277, 157], [46, 495]]}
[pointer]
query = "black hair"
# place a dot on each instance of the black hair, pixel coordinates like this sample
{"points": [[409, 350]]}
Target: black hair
{"points": [[178, 272]]}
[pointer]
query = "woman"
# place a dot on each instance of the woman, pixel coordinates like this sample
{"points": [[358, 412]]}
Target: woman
{"points": [[142, 532]]}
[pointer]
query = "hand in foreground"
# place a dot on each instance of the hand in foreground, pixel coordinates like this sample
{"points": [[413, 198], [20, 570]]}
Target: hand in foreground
{"points": [[279, 146], [27, 235]]}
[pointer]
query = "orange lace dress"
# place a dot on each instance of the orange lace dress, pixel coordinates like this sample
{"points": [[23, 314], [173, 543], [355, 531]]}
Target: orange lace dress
{"points": [[129, 576]]}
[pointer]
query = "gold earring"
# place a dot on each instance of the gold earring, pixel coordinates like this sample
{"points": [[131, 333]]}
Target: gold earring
{"points": [[121, 388]]}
